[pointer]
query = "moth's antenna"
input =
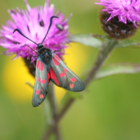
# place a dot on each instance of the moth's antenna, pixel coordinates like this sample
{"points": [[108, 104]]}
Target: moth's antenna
{"points": [[49, 27], [24, 35], [45, 35]]}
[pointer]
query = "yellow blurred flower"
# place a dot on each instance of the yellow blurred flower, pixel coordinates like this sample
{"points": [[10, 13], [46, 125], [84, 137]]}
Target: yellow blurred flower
{"points": [[15, 76]]}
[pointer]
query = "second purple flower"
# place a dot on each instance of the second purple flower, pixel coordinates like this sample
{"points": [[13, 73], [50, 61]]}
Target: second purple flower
{"points": [[120, 18]]}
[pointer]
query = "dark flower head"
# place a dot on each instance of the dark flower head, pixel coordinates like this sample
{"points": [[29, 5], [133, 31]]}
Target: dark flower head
{"points": [[120, 15], [34, 23], [124, 9]]}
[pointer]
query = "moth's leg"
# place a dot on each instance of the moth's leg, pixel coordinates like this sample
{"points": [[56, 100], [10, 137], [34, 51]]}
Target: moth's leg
{"points": [[27, 83]]}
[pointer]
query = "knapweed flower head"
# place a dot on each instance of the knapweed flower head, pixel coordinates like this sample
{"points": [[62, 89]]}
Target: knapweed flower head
{"points": [[124, 9], [122, 15], [34, 23]]}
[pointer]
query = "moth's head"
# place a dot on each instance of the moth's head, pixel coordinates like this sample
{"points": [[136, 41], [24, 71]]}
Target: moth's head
{"points": [[39, 46]]}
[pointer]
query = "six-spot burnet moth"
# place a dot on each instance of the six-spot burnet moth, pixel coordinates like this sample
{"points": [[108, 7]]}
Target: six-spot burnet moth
{"points": [[49, 67]]}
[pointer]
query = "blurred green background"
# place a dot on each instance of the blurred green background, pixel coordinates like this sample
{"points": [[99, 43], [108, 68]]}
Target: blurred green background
{"points": [[110, 109]]}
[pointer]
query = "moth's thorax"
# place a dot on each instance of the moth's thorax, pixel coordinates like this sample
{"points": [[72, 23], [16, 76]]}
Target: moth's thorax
{"points": [[45, 54]]}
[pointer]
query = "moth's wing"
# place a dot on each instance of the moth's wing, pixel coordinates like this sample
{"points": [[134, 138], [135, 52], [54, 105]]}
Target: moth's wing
{"points": [[41, 83], [62, 76]]}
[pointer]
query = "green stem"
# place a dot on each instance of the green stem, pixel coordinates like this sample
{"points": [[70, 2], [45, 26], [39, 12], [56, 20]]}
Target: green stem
{"points": [[54, 113], [102, 56]]}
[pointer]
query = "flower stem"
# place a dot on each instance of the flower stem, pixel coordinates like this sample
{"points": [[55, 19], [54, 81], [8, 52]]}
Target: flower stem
{"points": [[54, 113], [102, 56]]}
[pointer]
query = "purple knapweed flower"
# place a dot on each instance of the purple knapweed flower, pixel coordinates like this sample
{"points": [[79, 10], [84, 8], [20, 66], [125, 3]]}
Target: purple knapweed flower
{"points": [[34, 23], [126, 10]]}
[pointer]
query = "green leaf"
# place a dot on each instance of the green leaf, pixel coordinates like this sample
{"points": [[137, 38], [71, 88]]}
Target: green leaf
{"points": [[86, 39], [126, 68], [128, 43], [103, 37]]}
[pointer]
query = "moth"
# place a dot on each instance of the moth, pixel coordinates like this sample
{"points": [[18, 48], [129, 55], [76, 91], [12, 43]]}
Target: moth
{"points": [[49, 67]]}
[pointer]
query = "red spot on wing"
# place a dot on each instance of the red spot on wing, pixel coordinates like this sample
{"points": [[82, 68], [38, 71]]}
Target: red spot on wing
{"points": [[62, 74], [71, 85], [73, 79], [43, 81], [57, 57], [48, 77], [37, 64], [41, 66], [55, 62], [37, 91], [41, 96], [38, 79], [65, 69], [53, 77]]}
